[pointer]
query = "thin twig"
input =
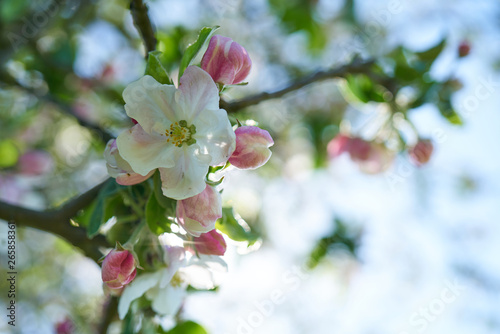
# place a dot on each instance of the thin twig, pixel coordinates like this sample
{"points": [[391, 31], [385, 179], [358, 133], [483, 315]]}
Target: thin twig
{"points": [[339, 72], [57, 221], [142, 22]]}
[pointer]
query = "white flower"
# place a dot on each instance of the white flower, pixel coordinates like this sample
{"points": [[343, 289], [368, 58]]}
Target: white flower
{"points": [[166, 288], [180, 131]]}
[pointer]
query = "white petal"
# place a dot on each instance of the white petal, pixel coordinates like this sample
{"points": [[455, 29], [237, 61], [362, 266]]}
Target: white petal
{"points": [[168, 300], [197, 92], [205, 272], [149, 102], [186, 178], [134, 290], [215, 136], [145, 152]]}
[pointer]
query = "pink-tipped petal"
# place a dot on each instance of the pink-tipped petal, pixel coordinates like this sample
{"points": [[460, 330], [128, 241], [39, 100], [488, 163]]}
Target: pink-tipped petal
{"points": [[211, 243], [421, 153], [226, 61], [118, 268], [252, 147], [198, 214]]}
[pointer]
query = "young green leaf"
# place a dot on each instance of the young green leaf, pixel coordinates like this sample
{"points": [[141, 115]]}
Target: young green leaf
{"points": [[164, 202], [155, 68], [156, 216], [431, 54], [188, 327], [230, 226], [97, 216], [193, 49]]}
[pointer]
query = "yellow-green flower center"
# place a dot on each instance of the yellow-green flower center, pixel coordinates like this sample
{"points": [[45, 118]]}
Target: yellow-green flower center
{"points": [[180, 133]]}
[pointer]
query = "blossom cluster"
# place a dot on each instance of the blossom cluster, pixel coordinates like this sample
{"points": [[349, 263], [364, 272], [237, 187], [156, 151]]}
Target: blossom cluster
{"points": [[182, 134], [374, 157]]}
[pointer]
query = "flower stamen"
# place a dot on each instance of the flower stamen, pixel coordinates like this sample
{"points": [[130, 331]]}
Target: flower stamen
{"points": [[179, 133]]}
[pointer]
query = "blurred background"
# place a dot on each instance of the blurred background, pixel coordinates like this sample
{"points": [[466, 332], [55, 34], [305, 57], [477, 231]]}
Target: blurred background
{"points": [[407, 250]]}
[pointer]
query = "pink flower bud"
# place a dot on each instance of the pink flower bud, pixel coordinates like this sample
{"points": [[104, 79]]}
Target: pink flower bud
{"points": [[118, 268], [65, 327], [421, 153], [252, 147], [464, 49], [119, 169], [338, 145], [371, 157], [211, 243], [35, 162], [226, 61], [359, 149], [378, 160], [198, 214]]}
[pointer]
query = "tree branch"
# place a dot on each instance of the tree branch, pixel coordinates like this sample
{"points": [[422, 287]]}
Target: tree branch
{"points": [[56, 221], [110, 311], [103, 134], [142, 22], [339, 72]]}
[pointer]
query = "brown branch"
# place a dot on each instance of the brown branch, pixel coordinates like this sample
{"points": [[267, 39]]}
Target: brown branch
{"points": [[142, 22], [57, 221], [110, 312], [101, 133], [339, 72]]}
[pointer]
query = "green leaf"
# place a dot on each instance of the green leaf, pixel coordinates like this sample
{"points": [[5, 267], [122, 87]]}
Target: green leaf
{"points": [[155, 68], [97, 216], [156, 216], [188, 327], [364, 89], [406, 73], [342, 238], [163, 201], [446, 109], [8, 153], [431, 54], [234, 229], [193, 49]]}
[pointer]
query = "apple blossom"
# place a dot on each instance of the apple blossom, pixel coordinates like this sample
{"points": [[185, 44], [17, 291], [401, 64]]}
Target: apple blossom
{"points": [[198, 214], [180, 131], [464, 49], [421, 153], [211, 243], [65, 327], [166, 288], [118, 268], [35, 162], [338, 145], [378, 159], [371, 157], [119, 168], [226, 61], [252, 147]]}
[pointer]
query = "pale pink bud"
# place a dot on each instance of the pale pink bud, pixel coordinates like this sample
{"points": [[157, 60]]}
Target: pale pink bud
{"points": [[252, 147], [119, 169], [226, 61], [359, 149], [198, 214], [421, 153], [118, 268], [65, 327], [211, 243], [378, 159], [464, 49], [35, 162], [338, 145]]}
